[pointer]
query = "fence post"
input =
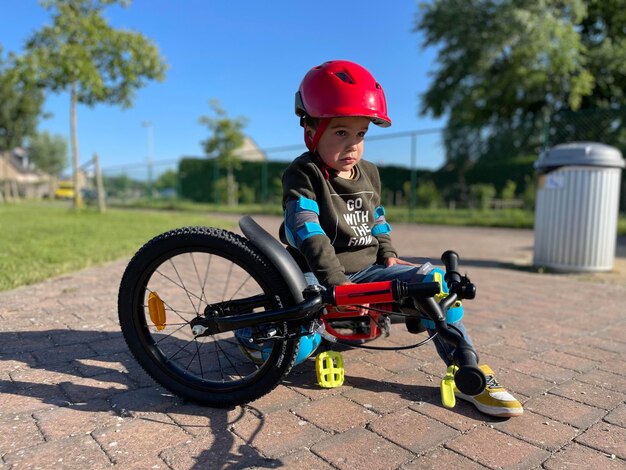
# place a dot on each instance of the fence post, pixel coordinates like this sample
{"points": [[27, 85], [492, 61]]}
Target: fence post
{"points": [[264, 185], [99, 184], [413, 195]]}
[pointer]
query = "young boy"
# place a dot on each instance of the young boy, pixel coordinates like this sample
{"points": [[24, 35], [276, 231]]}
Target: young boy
{"points": [[335, 224]]}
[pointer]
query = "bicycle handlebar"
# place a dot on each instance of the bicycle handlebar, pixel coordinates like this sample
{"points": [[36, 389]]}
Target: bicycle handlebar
{"points": [[469, 378], [457, 284], [378, 292]]}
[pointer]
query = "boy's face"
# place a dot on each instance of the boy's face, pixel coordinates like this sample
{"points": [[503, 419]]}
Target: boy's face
{"points": [[341, 145]]}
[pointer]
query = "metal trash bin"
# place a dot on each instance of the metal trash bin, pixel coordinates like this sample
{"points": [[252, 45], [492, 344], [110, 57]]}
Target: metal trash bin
{"points": [[577, 207]]}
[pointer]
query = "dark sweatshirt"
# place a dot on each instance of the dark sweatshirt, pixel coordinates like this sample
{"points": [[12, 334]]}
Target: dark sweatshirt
{"points": [[337, 225]]}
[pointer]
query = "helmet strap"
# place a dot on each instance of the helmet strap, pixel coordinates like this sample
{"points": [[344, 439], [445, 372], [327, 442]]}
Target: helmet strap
{"points": [[311, 143]]}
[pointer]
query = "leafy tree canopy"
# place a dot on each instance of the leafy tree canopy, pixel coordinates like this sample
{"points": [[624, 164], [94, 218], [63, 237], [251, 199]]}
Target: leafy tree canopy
{"points": [[505, 66], [81, 48], [82, 53], [48, 152], [226, 135], [21, 100]]}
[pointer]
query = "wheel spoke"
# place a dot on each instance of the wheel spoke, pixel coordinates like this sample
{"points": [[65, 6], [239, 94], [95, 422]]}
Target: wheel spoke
{"points": [[187, 270]]}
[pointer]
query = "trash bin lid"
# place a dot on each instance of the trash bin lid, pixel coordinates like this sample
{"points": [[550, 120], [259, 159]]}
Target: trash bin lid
{"points": [[580, 154]]}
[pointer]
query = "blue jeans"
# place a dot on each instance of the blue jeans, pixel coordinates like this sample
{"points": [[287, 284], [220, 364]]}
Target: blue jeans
{"points": [[378, 272]]}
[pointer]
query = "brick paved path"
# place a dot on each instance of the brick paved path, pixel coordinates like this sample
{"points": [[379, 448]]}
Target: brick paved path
{"points": [[72, 397]]}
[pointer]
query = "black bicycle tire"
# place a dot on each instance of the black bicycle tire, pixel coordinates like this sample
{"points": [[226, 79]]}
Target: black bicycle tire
{"points": [[132, 318]]}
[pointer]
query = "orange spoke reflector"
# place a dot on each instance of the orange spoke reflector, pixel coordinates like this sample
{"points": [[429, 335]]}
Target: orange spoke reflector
{"points": [[156, 307]]}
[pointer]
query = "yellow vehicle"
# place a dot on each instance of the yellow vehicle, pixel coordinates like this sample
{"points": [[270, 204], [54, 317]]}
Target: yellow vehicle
{"points": [[65, 190]]}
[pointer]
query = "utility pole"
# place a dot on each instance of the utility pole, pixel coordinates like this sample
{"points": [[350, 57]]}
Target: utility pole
{"points": [[149, 127]]}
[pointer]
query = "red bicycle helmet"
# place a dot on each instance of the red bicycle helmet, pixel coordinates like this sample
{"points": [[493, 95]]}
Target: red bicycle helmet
{"points": [[340, 88]]}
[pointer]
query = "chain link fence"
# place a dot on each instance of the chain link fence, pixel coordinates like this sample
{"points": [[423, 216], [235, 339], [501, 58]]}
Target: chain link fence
{"points": [[417, 167]]}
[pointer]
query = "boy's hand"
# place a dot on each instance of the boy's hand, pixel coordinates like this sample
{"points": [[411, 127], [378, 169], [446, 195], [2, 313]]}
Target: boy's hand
{"points": [[392, 261]]}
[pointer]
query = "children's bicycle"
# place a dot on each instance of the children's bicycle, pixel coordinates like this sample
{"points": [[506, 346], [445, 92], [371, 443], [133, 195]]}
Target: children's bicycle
{"points": [[187, 294]]}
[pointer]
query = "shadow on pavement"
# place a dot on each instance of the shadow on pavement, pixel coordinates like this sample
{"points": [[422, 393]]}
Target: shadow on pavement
{"points": [[75, 376]]}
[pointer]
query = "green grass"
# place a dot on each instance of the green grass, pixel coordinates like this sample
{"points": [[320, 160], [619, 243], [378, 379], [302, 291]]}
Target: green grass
{"points": [[515, 218], [42, 240], [39, 241], [512, 218]]}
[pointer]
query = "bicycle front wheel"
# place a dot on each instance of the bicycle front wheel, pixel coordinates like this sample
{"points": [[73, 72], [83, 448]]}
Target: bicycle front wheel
{"points": [[170, 282]]}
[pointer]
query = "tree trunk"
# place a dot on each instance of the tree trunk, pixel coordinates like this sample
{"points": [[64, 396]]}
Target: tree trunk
{"points": [[74, 138]]}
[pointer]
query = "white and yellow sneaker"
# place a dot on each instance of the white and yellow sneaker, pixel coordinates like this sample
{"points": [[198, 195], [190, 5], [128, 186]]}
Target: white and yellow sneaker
{"points": [[495, 400]]}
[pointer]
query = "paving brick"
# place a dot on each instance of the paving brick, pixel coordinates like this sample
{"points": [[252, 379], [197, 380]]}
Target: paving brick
{"points": [[564, 410], [278, 433], [497, 450], [604, 379], [281, 398], [63, 354], [588, 352], [139, 439], [544, 370], [335, 414], [15, 362], [506, 352], [417, 386], [606, 438], [365, 370], [100, 386], [304, 382], [538, 430], [616, 367], [393, 361], [300, 460], [73, 452], [413, 431], [27, 398], [442, 458], [91, 367], [379, 397], [15, 342], [617, 416], [606, 344], [220, 449], [577, 456], [589, 394], [567, 361], [142, 401], [462, 417], [17, 432], [111, 344], [361, 449], [530, 344], [76, 336], [202, 420], [61, 373], [57, 423]]}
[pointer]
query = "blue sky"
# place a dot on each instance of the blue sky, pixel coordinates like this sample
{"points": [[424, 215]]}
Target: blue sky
{"points": [[251, 56]]}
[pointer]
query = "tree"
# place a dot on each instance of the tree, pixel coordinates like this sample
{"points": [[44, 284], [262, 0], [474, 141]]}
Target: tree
{"points": [[167, 180], [226, 137], [82, 53], [21, 100], [48, 152], [504, 67]]}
